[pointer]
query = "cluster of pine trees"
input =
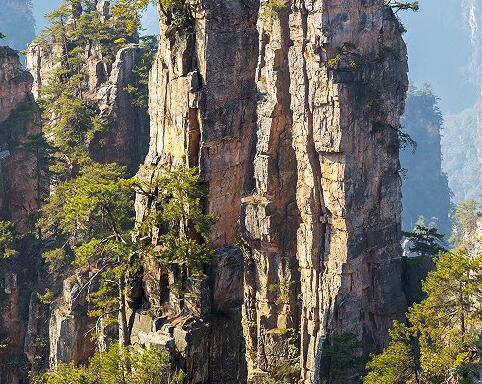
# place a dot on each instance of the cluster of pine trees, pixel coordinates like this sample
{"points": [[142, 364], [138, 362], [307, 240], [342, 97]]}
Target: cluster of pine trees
{"points": [[87, 221], [441, 339]]}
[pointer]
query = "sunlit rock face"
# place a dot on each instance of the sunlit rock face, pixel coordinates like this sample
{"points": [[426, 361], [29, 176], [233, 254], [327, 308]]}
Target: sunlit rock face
{"points": [[298, 144], [323, 222]]}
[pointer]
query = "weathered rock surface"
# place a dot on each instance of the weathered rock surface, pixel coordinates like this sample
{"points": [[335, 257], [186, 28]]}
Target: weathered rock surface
{"points": [[318, 152], [126, 137], [70, 330], [203, 113], [329, 149], [207, 342], [19, 198]]}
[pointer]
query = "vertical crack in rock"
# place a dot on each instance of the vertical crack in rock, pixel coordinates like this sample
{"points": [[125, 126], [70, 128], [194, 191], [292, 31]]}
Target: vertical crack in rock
{"points": [[203, 113], [345, 189]]}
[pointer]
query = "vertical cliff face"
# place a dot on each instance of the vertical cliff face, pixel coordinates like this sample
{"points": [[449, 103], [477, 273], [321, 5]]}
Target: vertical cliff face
{"points": [[19, 198], [310, 166], [324, 221], [202, 103], [203, 113]]}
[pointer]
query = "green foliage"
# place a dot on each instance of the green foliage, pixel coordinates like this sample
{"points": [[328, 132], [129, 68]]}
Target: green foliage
{"points": [[346, 55], [71, 122], [282, 291], [8, 239], [176, 13], [344, 362], [272, 8], [2, 36], [117, 365], [56, 259], [441, 342], [177, 213], [426, 241], [397, 364], [283, 373], [93, 213], [465, 217], [403, 5], [47, 297], [138, 88]]}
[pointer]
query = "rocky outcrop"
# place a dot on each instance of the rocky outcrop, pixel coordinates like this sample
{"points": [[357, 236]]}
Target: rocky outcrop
{"points": [[310, 166], [324, 221], [125, 138], [203, 113], [70, 330], [19, 199]]}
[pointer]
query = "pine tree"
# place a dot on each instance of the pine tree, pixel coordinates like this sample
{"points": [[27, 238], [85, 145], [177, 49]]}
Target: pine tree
{"points": [[8, 240], [117, 365], [440, 344], [177, 223], [426, 241]]}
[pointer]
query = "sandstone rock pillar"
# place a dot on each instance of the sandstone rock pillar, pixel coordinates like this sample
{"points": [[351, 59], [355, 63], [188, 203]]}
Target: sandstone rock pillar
{"points": [[339, 194]]}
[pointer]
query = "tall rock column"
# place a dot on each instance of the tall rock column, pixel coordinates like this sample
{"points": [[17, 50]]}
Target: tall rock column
{"points": [[345, 63], [203, 113], [202, 103], [19, 200]]}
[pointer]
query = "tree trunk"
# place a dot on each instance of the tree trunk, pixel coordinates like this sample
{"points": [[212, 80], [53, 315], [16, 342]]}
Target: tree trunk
{"points": [[124, 338]]}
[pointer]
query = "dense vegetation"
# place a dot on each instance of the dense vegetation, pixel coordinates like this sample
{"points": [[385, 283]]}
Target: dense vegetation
{"points": [[440, 341], [87, 222], [117, 365]]}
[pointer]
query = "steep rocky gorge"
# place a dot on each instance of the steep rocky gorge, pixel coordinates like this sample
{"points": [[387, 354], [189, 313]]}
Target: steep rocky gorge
{"points": [[291, 114]]}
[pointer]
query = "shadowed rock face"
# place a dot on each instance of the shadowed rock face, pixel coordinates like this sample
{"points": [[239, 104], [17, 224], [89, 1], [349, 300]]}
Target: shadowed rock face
{"points": [[292, 118], [19, 197]]}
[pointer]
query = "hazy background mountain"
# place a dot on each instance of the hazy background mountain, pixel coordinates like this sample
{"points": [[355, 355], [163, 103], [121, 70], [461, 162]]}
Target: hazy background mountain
{"points": [[16, 22], [445, 49]]}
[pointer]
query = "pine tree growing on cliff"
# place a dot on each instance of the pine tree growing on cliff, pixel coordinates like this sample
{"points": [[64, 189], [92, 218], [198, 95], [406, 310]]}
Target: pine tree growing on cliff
{"points": [[426, 241], [91, 215], [178, 225], [8, 240], [441, 342]]}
